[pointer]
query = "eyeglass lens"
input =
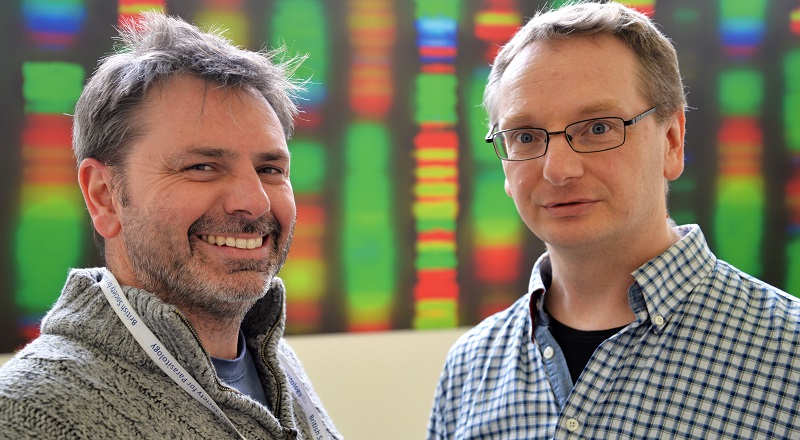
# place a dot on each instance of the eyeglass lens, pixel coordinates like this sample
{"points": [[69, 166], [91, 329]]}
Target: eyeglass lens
{"points": [[584, 136]]}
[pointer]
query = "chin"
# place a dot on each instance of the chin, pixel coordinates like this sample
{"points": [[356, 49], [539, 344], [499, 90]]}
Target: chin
{"points": [[567, 238], [250, 283]]}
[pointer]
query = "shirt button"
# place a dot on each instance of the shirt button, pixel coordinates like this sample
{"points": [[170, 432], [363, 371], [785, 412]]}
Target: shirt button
{"points": [[572, 425], [549, 352], [659, 320]]}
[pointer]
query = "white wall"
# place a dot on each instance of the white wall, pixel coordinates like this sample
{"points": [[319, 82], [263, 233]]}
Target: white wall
{"points": [[374, 385]]}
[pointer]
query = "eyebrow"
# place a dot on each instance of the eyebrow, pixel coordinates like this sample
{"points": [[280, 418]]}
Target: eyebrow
{"points": [[208, 152], [224, 153], [599, 106], [594, 108]]}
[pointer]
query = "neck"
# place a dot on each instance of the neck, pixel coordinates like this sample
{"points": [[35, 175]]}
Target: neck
{"points": [[589, 289], [578, 302], [219, 338], [218, 332]]}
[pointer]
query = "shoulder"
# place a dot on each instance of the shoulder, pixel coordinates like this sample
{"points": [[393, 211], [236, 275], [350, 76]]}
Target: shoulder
{"points": [[737, 308], [51, 361], [754, 296], [57, 387], [475, 365], [40, 385], [497, 335], [719, 286]]}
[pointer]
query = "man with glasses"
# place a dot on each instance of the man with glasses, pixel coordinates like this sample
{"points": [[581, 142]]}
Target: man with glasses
{"points": [[631, 327]]}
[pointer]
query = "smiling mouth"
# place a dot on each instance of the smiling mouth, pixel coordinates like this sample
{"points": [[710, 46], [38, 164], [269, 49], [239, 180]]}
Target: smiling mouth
{"points": [[241, 243]]}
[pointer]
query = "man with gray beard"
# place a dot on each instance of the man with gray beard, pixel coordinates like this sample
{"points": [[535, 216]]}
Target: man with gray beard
{"points": [[181, 142]]}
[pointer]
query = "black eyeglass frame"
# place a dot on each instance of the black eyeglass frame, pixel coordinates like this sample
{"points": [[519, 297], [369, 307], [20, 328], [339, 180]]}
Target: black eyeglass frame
{"points": [[490, 137]]}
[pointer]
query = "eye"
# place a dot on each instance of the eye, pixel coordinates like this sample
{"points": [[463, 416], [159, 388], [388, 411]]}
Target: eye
{"points": [[525, 137], [199, 167], [273, 173], [270, 170], [599, 127]]}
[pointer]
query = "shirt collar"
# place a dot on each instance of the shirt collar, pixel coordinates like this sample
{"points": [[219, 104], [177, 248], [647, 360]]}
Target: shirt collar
{"points": [[666, 281], [660, 284], [541, 276]]}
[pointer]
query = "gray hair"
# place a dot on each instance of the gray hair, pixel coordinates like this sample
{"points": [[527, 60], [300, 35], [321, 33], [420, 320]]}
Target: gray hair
{"points": [[659, 78], [150, 51]]}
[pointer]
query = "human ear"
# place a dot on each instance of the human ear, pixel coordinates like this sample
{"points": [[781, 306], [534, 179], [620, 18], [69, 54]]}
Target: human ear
{"points": [[94, 178], [673, 156]]}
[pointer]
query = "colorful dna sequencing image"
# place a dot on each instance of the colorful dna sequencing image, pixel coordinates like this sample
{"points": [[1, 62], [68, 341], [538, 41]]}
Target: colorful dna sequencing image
{"points": [[402, 218]]}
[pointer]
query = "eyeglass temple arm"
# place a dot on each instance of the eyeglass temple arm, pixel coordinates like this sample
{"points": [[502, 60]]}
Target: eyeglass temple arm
{"points": [[638, 118], [489, 136]]}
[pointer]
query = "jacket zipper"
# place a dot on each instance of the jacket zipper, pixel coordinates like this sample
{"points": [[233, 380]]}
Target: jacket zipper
{"points": [[208, 356], [263, 354], [290, 432]]}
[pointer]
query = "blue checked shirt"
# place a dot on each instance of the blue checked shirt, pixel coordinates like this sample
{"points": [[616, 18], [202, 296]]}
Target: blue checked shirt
{"points": [[713, 354]]}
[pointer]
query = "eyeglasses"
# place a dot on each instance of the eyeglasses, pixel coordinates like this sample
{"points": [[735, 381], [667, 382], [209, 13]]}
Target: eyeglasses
{"points": [[587, 136]]}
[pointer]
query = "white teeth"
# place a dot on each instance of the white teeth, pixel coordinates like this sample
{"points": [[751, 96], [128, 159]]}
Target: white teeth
{"points": [[241, 243]]}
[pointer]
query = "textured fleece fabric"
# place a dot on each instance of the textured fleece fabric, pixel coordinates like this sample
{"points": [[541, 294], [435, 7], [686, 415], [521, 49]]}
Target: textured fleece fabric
{"points": [[86, 377]]}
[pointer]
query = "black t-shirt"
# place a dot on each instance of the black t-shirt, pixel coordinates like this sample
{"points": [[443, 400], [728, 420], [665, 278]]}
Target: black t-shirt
{"points": [[578, 345]]}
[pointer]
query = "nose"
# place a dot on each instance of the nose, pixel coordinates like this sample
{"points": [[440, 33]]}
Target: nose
{"points": [[246, 196], [561, 163]]}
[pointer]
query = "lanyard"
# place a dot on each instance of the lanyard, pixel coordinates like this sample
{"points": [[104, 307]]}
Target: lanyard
{"points": [[164, 359], [154, 348], [312, 415]]}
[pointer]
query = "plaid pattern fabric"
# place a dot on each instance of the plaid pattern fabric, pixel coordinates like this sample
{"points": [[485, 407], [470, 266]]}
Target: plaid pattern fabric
{"points": [[713, 354]]}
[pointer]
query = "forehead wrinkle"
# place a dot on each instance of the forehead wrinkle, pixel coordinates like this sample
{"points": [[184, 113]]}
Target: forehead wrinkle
{"points": [[223, 94]]}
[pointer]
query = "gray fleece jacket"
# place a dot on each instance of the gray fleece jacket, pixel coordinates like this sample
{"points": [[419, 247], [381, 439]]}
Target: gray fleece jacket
{"points": [[86, 377]]}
